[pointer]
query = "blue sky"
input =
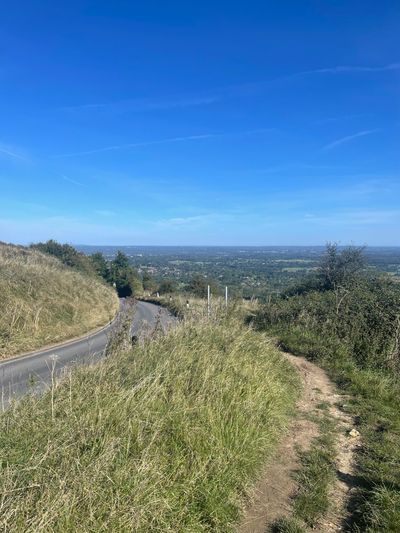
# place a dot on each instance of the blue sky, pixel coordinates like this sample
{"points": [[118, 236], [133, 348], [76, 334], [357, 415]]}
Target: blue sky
{"points": [[257, 123]]}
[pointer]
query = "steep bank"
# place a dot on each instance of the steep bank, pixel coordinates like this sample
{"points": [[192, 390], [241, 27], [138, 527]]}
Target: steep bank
{"points": [[43, 302]]}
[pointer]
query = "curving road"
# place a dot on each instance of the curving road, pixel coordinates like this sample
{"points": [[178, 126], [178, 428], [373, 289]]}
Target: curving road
{"points": [[32, 372]]}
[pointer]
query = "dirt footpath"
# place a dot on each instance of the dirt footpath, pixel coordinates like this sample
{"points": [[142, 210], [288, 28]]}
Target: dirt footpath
{"points": [[272, 495]]}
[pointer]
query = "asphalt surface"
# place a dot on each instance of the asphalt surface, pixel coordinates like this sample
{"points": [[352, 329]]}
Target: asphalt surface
{"points": [[33, 372]]}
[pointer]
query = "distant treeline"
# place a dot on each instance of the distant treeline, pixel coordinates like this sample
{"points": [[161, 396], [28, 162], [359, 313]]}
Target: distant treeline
{"points": [[121, 274]]}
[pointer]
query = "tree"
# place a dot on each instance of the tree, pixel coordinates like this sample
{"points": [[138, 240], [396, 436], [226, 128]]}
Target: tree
{"points": [[198, 286], [101, 265], [67, 254], [167, 286], [149, 283], [339, 269], [121, 261], [124, 276]]}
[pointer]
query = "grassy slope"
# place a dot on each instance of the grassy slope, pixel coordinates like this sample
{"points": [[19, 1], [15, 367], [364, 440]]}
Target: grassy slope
{"points": [[165, 437], [43, 302]]}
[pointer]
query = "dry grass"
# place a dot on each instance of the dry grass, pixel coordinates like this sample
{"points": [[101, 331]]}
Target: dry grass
{"points": [[165, 437], [43, 302], [192, 307]]}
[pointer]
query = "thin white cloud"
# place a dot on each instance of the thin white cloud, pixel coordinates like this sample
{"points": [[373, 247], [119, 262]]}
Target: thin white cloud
{"points": [[187, 221], [335, 70], [343, 69], [137, 145], [142, 105], [339, 118], [348, 138], [162, 141], [300, 166], [70, 180], [12, 152], [182, 101]]}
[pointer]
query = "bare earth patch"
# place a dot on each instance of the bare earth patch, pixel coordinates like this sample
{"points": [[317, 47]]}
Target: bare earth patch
{"points": [[271, 498]]}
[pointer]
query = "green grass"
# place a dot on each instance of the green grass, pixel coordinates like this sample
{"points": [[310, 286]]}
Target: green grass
{"points": [[288, 525], [316, 475], [314, 479], [165, 437], [43, 302]]}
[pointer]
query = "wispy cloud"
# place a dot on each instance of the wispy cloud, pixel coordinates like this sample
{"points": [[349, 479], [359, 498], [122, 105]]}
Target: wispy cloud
{"points": [[169, 140], [137, 145], [145, 104], [187, 221], [285, 167], [339, 118], [70, 180], [348, 138], [251, 87], [138, 105], [343, 69], [12, 152]]}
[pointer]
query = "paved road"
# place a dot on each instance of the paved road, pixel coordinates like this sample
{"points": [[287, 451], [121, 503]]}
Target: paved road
{"points": [[33, 372]]}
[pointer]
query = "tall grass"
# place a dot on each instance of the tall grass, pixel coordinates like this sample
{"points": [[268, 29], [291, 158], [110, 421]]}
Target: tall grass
{"points": [[42, 301], [164, 437]]}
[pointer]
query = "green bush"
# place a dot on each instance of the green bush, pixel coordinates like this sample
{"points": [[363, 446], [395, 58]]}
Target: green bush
{"points": [[362, 320]]}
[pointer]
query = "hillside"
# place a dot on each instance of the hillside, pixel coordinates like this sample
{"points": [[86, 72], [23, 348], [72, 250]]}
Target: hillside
{"points": [[44, 302], [167, 436]]}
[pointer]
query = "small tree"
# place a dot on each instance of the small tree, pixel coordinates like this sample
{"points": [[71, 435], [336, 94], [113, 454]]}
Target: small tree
{"points": [[338, 269], [125, 277], [198, 286], [167, 286], [101, 265], [149, 283], [121, 261]]}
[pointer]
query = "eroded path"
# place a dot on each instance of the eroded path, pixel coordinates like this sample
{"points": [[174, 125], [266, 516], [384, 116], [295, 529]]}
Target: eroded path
{"points": [[272, 497]]}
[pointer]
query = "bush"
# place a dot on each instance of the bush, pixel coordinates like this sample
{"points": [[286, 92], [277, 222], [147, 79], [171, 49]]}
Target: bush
{"points": [[67, 254], [364, 319]]}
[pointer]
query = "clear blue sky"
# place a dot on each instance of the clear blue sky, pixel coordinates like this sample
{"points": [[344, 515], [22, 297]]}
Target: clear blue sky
{"points": [[254, 123]]}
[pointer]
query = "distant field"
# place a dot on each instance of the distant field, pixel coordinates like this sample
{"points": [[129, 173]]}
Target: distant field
{"points": [[43, 302], [248, 271]]}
